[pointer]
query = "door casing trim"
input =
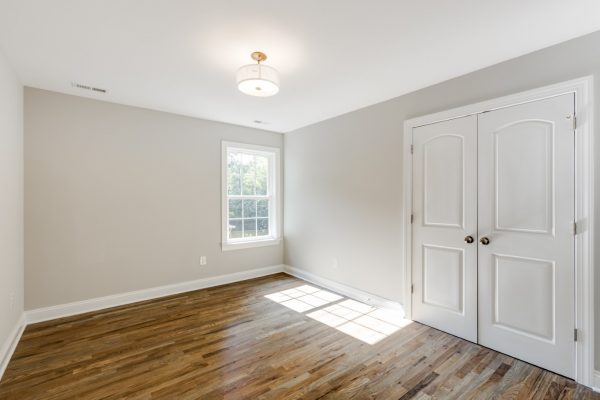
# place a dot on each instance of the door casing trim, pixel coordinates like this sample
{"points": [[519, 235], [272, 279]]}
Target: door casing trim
{"points": [[584, 202]]}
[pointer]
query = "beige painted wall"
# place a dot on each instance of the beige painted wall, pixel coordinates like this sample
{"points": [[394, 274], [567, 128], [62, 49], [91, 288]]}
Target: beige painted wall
{"points": [[343, 177], [120, 198], [11, 200]]}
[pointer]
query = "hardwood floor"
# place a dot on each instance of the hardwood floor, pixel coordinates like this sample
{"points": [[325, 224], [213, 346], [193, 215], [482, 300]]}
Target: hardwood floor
{"points": [[231, 342]]}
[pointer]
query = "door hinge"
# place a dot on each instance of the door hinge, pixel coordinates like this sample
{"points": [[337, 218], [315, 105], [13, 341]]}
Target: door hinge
{"points": [[412, 149], [575, 334], [573, 119], [574, 228], [412, 218], [412, 288]]}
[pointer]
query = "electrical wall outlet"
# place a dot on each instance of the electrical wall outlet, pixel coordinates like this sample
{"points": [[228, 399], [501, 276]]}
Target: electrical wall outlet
{"points": [[202, 260]]}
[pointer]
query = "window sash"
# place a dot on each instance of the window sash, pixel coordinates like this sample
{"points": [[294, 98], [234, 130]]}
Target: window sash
{"points": [[270, 216], [270, 156]]}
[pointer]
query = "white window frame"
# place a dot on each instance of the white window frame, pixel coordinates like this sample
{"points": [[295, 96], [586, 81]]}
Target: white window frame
{"points": [[273, 193]]}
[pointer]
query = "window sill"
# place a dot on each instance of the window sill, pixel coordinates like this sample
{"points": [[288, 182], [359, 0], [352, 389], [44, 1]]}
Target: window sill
{"points": [[246, 245]]}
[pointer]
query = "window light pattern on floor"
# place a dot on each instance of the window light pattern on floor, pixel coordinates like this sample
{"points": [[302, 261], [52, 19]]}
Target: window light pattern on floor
{"points": [[361, 321], [303, 298]]}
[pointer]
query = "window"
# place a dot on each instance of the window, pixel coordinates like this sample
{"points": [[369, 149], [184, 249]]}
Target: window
{"points": [[250, 196]]}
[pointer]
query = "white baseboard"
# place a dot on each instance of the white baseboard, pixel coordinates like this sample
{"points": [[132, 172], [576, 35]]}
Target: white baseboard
{"points": [[10, 344], [340, 288], [99, 303], [596, 381]]}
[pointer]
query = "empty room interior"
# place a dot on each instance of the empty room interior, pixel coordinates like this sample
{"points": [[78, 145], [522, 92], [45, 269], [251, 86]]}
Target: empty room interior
{"points": [[264, 199]]}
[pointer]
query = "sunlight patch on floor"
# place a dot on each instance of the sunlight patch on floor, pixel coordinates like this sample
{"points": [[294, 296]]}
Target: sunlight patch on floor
{"points": [[359, 320], [303, 298]]}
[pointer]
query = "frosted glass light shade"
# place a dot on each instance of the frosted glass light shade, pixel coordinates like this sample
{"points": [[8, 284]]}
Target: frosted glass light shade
{"points": [[258, 80]]}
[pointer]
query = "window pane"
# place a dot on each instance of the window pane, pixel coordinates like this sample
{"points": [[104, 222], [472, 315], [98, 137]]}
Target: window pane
{"points": [[235, 228], [262, 226], [262, 208], [248, 174], [249, 227], [233, 174], [248, 185], [249, 208], [262, 174], [235, 208]]}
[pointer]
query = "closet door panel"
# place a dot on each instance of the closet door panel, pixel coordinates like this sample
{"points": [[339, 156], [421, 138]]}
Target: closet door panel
{"points": [[526, 213], [445, 213]]}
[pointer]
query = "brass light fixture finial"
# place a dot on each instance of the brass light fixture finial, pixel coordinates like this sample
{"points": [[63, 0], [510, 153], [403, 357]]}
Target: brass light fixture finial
{"points": [[258, 56]]}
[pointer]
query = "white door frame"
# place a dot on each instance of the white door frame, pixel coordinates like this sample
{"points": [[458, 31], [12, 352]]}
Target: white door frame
{"points": [[584, 203]]}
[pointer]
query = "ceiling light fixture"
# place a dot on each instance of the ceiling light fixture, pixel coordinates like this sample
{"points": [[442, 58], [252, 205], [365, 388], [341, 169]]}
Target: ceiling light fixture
{"points": [[258, 79]]}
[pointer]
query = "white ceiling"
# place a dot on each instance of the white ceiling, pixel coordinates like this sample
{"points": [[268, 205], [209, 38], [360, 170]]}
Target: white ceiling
{"points": [[334, 56]]}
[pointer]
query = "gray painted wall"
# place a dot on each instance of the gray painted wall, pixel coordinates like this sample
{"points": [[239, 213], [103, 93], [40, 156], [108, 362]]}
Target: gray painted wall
{"points": [[11, 200], [343, 177], [119, 198]]}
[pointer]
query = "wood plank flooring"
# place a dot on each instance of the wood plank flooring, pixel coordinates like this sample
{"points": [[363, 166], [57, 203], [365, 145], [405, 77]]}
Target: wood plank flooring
{"points": [[230, 342]]}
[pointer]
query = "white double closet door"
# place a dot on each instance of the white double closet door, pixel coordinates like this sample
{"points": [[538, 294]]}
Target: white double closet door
{"points": [[493, 230]]}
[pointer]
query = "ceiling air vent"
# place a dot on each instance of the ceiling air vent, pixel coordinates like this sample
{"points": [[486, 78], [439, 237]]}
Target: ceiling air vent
{"points": [[86, 87]]}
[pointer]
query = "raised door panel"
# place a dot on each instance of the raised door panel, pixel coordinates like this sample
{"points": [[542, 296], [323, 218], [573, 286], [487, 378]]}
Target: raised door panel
{"points": [[443, 276], [443, 167], [523, 298], [524, 176]]}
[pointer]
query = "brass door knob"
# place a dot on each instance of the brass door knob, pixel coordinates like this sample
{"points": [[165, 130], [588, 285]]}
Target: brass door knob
{"points": [[484, 241], [469, 239]]}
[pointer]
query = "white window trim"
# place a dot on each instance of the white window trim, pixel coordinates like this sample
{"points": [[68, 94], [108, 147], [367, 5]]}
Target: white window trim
{"points": [[275, 206]]}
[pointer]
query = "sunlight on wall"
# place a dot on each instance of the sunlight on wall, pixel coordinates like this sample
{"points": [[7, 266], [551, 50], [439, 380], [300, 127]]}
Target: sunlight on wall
{"points": [[361, 321]]}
